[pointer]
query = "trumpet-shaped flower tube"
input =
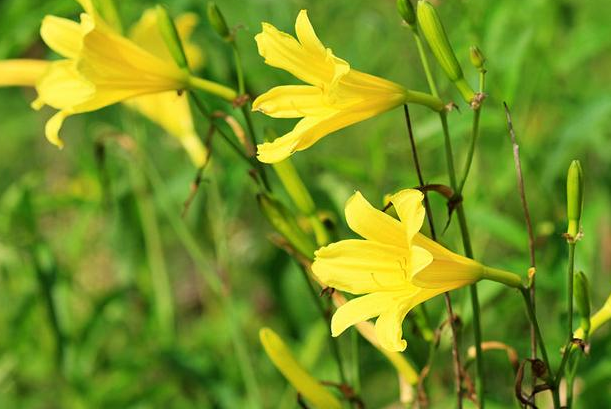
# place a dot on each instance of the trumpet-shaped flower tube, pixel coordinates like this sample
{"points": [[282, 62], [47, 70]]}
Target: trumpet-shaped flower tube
{"points": [[21, 72], [338, 96], [394, 268]]}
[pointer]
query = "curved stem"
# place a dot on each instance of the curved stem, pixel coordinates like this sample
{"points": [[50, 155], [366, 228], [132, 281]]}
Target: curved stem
{"points": [[474, 134], [463, 224], [569, 300], [324, 314], [245, 108], [533, 319], [448, 300], [425, 62]]}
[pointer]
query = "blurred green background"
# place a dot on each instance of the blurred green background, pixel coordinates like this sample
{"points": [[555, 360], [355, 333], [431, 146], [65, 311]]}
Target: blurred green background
{"points": [[89, 234]]}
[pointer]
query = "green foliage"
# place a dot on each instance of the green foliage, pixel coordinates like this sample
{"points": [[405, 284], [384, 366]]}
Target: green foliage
{"points": [[109, 298]]}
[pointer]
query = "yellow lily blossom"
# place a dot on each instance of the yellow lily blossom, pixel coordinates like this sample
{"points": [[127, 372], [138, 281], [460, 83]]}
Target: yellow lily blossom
{"points": [[338, 96], [21, 72], [169, 109], [102, 68], [306, 384], [389, 266]]}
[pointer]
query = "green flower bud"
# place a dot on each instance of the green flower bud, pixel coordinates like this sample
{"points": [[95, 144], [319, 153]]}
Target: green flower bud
{"points": [[477, 58], [406, 11], [435, 34], [217, 21], [574, 198], [170, 37], [285, 223], [581, 293]]}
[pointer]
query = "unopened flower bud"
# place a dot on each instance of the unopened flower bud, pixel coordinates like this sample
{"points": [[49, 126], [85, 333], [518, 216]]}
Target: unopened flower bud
{"points": [[406, 11], [171, 37], [217, 21], [434, 32], [477, 58], [285, 223], [581, 293], [574, 198]]}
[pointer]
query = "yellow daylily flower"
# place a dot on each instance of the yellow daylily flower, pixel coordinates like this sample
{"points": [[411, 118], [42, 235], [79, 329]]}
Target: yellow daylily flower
{"points": [[21, 72], [306, 384], [389, 266], [338, 96], [102, 68], [169, 109]]}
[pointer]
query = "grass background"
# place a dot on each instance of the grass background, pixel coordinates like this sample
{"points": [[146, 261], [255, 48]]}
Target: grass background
{"points": [[94, 239]]}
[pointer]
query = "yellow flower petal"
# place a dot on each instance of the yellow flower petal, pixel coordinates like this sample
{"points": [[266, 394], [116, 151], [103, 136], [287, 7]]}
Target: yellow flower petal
{"points": [[283, 147], [53, 126], [62, 35], [291, 101], [373, 224], [399, 361], [62, 86], [358, 310], [113, 62], [361, 266], [21, 72], [283, 51], [312, 128], [306, 35], [145, 32], [301, 380], [408, 204], [389, 325]]}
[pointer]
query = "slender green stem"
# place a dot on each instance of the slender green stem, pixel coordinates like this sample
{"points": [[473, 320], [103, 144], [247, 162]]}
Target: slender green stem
{"points": [[356, 368], [211, 87], [569, 295], [246, 108], [464, 231], [323, 312], [234, 146], [569, 344], [238, 67], [474, 134], [462, 221], [425, 62], [570, 379], [533, 319], [455, 352]]}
